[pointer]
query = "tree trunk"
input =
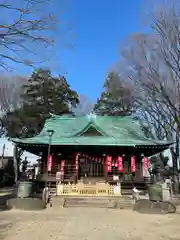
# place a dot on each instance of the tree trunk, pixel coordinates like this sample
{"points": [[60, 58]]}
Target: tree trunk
{"points": [[17, 162], [175, 157]]}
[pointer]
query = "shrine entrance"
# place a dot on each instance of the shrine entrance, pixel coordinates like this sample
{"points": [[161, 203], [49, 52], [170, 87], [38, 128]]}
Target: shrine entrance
{"points": [[91, 168]]}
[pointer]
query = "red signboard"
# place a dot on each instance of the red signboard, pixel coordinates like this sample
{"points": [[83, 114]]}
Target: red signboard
{"points": [[109, 163], [133, 163], [49, 163], [120, 164], [62, 166]]}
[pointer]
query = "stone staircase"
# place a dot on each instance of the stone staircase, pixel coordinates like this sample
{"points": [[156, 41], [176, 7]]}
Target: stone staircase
{"points": [[126, 202], [94, 202]]}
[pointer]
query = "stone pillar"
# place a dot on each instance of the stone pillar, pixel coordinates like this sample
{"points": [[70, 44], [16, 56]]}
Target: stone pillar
{"points": [[166, 191], [59, 189], [117, 189]]}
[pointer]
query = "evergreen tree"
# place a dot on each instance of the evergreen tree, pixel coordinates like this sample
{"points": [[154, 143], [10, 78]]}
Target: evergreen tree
{"points": [[42, 96], [116, 99]]}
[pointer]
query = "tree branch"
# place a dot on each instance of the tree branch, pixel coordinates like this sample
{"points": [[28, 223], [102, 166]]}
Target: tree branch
{"points": [[27, 30]]}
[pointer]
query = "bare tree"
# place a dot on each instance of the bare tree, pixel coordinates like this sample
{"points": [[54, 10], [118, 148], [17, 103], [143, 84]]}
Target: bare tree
{"points": [[153, 82], [10, 92], [25, 31], [84, 107], [154, 69]]}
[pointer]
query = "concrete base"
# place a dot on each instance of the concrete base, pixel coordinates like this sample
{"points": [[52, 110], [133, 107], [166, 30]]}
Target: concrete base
{"points": [[115, 202], [149, 207], [166, 194], [26, 203]]}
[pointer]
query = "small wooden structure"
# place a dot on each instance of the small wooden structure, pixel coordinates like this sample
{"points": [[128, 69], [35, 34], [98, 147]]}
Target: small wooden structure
{"points": [[92, 155]]}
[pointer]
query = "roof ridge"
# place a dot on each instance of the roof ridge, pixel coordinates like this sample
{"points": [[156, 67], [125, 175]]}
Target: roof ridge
{"points": [[88, 116]]}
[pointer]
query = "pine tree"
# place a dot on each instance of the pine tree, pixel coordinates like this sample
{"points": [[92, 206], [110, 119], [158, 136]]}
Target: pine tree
{"points": [[116, 99], [42, 96]]}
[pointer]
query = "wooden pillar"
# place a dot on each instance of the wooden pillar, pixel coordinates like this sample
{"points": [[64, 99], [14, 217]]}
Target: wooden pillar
{"points": [[62, 170]]}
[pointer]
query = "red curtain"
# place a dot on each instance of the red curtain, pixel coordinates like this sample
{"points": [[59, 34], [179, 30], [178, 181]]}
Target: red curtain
{"points": [[109, 163], [120, 164], [49, 164], [133, 163]]}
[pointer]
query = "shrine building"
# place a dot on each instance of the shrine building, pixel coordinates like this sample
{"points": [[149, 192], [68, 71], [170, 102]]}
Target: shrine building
{"points": [[87, 153]]}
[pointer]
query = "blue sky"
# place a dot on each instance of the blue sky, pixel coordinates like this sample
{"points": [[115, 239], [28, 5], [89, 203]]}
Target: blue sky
{"points": [[100, 26], [97, 30]]}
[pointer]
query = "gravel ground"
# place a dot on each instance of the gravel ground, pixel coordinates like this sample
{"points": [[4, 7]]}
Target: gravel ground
{"points": [[87, 223]]}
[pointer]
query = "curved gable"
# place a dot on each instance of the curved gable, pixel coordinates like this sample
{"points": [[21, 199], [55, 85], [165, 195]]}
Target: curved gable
{"points": [[91, 130]]}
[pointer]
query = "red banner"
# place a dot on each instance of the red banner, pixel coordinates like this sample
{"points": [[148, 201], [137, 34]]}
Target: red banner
{"points": [[49, 165], [115, 164], [133, 163], [109, 163], [120, 164], [62, 166], [77, 163], [146, 163]]}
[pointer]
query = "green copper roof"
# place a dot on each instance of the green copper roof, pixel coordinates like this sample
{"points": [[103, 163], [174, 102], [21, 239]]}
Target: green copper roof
{"points": [[70, 130]]}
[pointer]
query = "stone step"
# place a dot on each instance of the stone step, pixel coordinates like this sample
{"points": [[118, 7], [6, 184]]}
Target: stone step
{"points": [[99, 202], [129, 192]]}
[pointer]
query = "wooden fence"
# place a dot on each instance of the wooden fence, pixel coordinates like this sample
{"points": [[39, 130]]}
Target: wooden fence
{"points": [[81, 189]]}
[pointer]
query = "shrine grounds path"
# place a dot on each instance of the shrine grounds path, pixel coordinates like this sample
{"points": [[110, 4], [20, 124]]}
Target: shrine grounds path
{"points": [[87, 224]]}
